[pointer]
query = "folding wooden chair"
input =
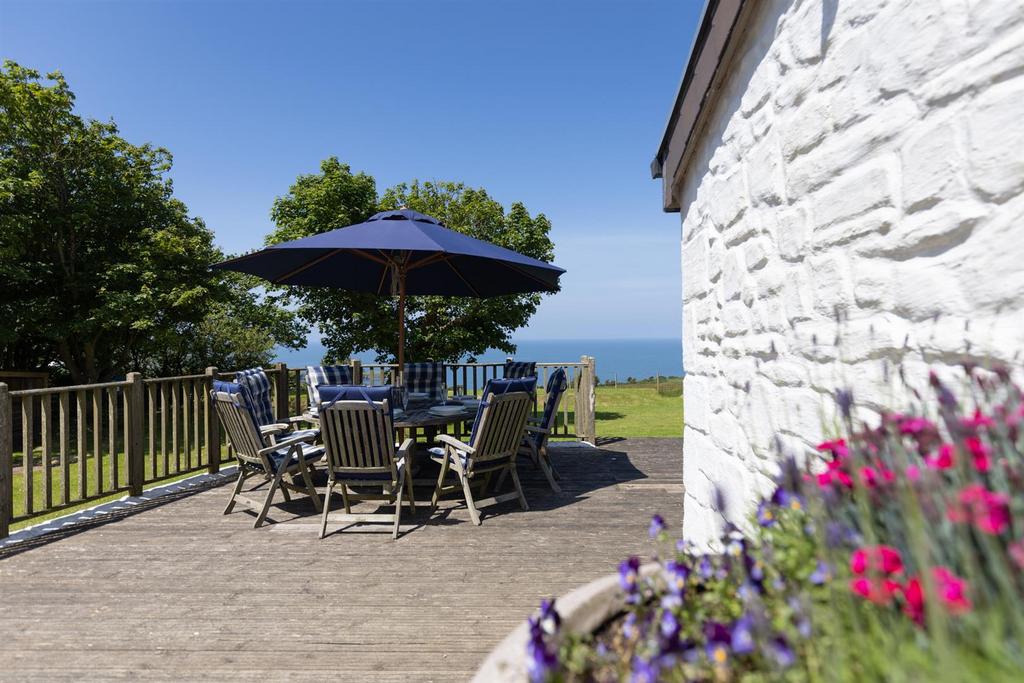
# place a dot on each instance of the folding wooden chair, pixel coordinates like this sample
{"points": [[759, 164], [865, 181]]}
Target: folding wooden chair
{"points": [[360, 442], [277, 463], [535, 443], [492, 448]]}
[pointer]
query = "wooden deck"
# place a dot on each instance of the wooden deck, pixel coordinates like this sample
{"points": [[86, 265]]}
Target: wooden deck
{"points": [[178, 591]]}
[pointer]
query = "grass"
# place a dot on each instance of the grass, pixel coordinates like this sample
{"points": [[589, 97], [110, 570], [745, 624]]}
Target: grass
{"points": [[639, 409]]}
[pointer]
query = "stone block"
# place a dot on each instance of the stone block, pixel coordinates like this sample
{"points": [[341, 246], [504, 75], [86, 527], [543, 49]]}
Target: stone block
{"points": [[793, 232], [831, 283], [695, 268], [995, 139], [931, 161]]}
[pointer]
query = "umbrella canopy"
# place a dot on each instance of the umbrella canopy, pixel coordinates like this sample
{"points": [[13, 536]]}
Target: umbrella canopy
{"points": [[399, 253]]}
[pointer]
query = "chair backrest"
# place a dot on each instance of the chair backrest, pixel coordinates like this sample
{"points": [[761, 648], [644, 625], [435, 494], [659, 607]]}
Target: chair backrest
{"points": [[324, 374], [426, 378], [358, 437], [329, 393], [517, 369], [501, 386], [241, 430], [257, 387], [500, 427], [553, 392]]}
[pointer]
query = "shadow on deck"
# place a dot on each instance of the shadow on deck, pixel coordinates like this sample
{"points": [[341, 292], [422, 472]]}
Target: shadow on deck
{"points": [[175, 590]]}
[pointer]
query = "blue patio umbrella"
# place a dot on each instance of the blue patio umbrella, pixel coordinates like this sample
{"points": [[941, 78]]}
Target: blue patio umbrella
{"points": [[399, 253]]}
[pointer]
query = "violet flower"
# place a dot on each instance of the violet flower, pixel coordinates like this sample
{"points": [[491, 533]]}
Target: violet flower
{"points": [[629, 574], [657, 526]]}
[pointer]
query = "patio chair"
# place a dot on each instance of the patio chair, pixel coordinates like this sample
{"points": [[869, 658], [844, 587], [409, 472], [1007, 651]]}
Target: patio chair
{"points": [[492, 448], [277, 463], [425, 378], [538, 429], [256, 391], [360, 442], [324, 374], [519, 369]]}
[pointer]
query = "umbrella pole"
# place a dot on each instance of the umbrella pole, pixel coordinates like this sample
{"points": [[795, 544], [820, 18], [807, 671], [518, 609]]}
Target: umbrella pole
{"points": [[401, 325]]}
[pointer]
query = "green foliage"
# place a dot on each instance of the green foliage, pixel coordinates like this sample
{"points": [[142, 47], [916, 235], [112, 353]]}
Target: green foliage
{"points": [[100, 266], [438, 328]]}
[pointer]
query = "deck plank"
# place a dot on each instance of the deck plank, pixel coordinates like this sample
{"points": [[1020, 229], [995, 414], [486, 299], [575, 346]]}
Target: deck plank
{"points": [[179, 591]]}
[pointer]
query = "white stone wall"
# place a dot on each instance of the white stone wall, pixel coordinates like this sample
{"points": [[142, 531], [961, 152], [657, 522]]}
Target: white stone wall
{"points": [[864, 157]]}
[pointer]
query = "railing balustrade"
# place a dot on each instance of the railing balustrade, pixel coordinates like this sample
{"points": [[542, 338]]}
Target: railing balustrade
{"points": [[62, 447]]}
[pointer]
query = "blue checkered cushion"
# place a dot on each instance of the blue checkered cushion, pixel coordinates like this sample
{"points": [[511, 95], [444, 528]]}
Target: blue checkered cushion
{"points": [[501, 386], [425, 378], [283, 457], [324, 374], [519, 369], [437, 453], [236, 390], [256, 389], [355, 392], [557, 384]]}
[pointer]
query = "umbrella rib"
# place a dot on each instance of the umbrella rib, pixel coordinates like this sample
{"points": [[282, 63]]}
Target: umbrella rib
{"points": [[547, 287], [305, 266], [433, 258], [451, 265]]}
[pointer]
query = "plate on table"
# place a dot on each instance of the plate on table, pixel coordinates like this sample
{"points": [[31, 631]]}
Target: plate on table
{"points": [[419, 395], [470, 402], [447, 411]]}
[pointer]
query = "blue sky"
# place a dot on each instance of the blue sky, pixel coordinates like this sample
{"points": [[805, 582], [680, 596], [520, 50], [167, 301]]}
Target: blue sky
{"points": [[560, 105]]}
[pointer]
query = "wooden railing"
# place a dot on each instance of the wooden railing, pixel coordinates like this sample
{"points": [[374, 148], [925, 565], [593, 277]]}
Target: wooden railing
{"points": [[62, 447]]}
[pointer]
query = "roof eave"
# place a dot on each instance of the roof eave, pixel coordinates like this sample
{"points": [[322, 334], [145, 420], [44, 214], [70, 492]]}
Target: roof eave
{"points": [[719, 22]]}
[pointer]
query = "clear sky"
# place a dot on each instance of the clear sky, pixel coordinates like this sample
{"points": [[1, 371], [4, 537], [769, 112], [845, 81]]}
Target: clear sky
{"points": [[557, 104]]}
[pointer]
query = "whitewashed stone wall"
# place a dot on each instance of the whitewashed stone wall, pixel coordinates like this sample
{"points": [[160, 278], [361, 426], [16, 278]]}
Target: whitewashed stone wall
{"points": [[865, 158]]}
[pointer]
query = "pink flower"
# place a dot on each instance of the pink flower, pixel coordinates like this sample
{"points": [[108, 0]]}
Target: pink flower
{"points": [[989, 511], [917, 425], [979, 453], [913, 473], [952, 590], [881, 558], [913, 601], [977, 420], [1017, 553], [943, 460], [879, 592], [837, 447]]}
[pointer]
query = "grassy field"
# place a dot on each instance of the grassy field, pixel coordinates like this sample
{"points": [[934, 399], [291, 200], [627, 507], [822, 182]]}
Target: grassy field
{"points": [[639, 410]]}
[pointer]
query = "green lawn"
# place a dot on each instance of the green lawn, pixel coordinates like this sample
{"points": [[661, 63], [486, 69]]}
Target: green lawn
{"points": [[638, 410]]}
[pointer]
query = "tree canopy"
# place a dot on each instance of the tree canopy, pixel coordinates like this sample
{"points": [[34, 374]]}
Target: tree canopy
{"points": [[437, 328], [102, 270]]}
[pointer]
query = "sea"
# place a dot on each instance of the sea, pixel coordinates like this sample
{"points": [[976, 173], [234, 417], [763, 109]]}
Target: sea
{"points": [[614, 358]]}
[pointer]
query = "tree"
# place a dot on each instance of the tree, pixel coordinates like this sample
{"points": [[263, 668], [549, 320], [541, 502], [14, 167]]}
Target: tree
{"points": [[99, 264], [438, 328]]}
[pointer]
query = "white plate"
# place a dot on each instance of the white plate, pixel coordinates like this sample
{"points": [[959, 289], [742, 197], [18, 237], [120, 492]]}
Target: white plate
{"points": [[447, 410], [419, 394], [471, 402]]}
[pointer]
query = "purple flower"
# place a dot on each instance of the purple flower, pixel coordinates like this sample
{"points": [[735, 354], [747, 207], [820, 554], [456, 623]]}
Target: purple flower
{"points": [[629, 579], [779, 650], [541, 661], [549, 619], [705, 568], [676, 574], [669, 626], [822, 573], [785, 498], [765, 514], [643, 671], [657, 526], [743, 635], [844, 397], [629, 626], [719, 639]]}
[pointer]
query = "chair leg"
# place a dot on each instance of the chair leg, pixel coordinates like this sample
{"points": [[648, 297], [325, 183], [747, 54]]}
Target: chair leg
{"points": [[440, 485], [412, 497], [519, 487], [310, 489], [398, 504], [545, 467], [501, 480], [266, 504], [327, 508], [473, 514], [242, 476], [344, 498], [287, 479]]}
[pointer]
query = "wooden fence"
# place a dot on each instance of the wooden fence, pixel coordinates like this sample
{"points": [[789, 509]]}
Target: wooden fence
{"points": [[61, 447]]}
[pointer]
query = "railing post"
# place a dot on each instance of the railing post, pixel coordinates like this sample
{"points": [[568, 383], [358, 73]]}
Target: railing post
{"points": [[586, 398], [134, 447], [212, 425], [6, 462], [357, 371], [281, 390]]}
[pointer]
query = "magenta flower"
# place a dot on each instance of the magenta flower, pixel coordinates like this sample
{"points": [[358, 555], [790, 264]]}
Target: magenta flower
{"points": [[941, 460], [988, 511], [881, 559], [837, 447], [952, 590]]}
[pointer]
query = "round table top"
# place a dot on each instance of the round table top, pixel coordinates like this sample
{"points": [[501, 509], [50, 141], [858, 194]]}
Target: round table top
{"points": [[422, 417]]}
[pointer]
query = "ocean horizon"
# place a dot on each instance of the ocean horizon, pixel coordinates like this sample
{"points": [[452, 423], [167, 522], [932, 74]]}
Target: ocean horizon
{"points": [[621, 358]]}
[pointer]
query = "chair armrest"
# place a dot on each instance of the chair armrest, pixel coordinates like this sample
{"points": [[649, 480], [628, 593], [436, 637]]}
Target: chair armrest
{"points": [[287, 443], [537, 430], [275, 428], [406, 446], [309, 419], [454, 443], [535, 420]]}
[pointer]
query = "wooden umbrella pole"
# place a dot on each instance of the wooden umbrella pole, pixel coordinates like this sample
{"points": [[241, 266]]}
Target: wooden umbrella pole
{"points": [[401, 324]]}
